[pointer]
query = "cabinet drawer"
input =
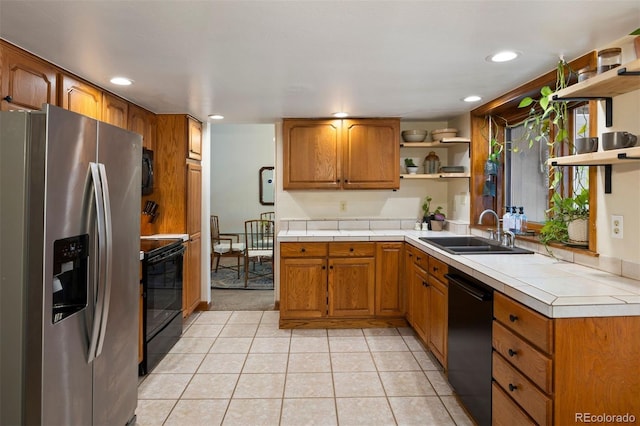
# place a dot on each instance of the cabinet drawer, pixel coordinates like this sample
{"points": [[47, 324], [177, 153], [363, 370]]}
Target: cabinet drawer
{"points": [[533, 363], [303, 249], [438, 269], [534, 327], [421, 259], [522, 391], [505, 412], [354, 249]]}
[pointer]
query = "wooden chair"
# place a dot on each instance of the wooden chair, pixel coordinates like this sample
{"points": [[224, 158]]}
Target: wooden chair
{"points": [[268, 216], [258, 237], [223, 245]]}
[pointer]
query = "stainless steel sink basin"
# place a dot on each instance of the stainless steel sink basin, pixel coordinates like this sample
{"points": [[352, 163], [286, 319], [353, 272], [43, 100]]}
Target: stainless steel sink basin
{"points": [[472, 245]]}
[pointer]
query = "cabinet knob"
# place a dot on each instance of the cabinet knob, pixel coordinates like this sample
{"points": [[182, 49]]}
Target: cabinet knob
{"points": [[7, 98], [435, 269], [513, 318], [425, 284], [512, 352], [512, 387], [324, 267], [351, 249], [418, 258], [331, 267], [303, 249]]}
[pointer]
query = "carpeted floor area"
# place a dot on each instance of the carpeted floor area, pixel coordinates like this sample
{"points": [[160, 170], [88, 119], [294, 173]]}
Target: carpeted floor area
{"points": [[229, 294]]}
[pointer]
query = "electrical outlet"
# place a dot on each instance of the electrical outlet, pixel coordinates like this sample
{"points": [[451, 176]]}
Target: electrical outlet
{"points": [[617, 227], [343, 206]]}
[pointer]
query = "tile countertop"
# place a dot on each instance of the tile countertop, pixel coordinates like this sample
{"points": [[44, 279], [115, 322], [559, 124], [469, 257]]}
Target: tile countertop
{"points": [[557, 289]]}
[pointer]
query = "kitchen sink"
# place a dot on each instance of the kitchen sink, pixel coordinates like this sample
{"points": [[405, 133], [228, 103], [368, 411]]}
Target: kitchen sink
{"points": [[472, 245]]}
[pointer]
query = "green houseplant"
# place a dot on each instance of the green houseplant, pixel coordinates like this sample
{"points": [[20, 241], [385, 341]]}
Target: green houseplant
{"points": [[410, 166], [568, 220]]}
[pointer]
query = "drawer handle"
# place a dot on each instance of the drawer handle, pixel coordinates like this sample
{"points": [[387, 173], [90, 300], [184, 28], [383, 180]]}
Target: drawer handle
{"points": [[513, 318], [512, 387], [512, 352]]}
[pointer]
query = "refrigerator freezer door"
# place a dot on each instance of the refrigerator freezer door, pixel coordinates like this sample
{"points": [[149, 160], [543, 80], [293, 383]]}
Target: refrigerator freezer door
{"points": [[66, 375], [116, 368]]}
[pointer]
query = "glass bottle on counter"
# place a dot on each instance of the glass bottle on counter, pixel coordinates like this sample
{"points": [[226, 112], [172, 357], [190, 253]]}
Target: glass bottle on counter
{"points": [[513, 219], [506, 218], [523, 222]]}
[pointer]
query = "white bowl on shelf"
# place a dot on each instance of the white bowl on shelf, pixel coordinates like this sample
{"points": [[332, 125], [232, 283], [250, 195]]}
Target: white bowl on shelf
{"points": [[414, 135], [440, 134]]}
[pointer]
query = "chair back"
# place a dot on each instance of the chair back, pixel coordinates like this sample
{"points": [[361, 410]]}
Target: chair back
{"points": [[268, 216], [259, 235], [215, 229]]}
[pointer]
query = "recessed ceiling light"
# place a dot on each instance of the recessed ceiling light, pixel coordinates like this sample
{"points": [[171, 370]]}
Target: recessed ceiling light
{"points": [[216, 116], [340, 114], [121, 81], [472, 98], [504, 56]]}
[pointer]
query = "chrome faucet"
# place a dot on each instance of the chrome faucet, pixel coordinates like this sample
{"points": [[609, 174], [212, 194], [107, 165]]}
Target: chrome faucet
{"points": [[509, 239], [497, 235]]}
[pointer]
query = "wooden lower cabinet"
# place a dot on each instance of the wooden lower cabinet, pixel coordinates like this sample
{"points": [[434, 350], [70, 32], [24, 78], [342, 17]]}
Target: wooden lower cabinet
{"points": [[420, 302], [558, 371], [351, 286], [438, 321], [303, 287], [338, 283], [191, 274], [389, 291]]}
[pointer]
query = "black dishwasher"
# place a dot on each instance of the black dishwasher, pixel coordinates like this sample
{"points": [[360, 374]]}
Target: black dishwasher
{"points": [[469, 335]]}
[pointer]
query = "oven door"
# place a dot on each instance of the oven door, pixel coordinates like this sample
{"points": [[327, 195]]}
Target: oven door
{"points": [[163, 289]]}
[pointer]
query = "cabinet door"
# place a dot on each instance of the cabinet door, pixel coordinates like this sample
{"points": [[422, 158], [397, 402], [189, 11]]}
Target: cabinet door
{"points": [[26, 82], [389, 287], [351, 286], [115, 110], [191, 284], [143, 123], [371, 154], [438, 310], [80, 97], [195, 139], [303, 288], [311, 154], [407, 279], [194, 198], [420, 302]]}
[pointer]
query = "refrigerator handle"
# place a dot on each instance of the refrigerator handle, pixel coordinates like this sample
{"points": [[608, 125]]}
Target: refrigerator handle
{"points": [[107, 256], [99, 284]]}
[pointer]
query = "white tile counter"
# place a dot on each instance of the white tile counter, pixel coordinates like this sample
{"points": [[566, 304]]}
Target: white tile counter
{"points": [[555, 288]]}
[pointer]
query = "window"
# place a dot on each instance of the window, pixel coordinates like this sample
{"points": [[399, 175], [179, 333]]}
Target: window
{"points": [[527, 180]]}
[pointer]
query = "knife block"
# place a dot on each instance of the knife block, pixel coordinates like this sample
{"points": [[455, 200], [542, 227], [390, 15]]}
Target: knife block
{"points": [[146, 225]]}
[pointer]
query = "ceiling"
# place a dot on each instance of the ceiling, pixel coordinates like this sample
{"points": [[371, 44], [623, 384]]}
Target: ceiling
{"points": [[259, 61]]}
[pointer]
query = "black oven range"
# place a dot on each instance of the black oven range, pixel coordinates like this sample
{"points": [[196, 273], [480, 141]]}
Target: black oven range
{"points": [[162, 298]]}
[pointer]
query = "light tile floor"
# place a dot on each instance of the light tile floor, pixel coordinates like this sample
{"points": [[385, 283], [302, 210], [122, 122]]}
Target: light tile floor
{"points": [[239, 368]]}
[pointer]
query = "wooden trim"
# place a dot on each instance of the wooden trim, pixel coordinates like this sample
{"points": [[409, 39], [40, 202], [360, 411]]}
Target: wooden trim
{"points": [[203, 306], [343, 323]]}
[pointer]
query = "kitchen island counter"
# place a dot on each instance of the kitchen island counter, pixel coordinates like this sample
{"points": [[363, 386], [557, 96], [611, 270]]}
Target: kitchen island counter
{"points": [[554, 288]]}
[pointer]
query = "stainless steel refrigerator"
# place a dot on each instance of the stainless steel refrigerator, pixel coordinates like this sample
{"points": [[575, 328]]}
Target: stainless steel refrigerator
{"points": [[70, 269]]}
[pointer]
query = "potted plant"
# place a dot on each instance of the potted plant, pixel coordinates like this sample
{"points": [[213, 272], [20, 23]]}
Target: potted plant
{"points": [[568, 220], [435, 219], [411, 167]]}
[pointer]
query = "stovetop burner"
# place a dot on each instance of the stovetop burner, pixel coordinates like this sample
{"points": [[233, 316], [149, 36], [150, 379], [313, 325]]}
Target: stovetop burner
{"points": [[149, 246]]}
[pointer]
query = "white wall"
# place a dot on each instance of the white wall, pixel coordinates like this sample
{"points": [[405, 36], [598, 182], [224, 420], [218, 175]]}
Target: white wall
{"points": [[238, 151]]}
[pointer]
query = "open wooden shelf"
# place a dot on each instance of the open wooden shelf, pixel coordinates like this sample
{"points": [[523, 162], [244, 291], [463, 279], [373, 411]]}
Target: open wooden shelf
{"points": [[436, 176], [616, 81], [435, 144], [602, 158]]}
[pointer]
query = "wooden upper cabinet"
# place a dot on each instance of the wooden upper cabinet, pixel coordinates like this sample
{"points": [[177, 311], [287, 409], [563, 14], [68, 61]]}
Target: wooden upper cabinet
{"points": [[115, 110], [195, 139], [371, 154], [144, 123], [312, 154], [78, 96], [26, 82], [341, 154]]}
